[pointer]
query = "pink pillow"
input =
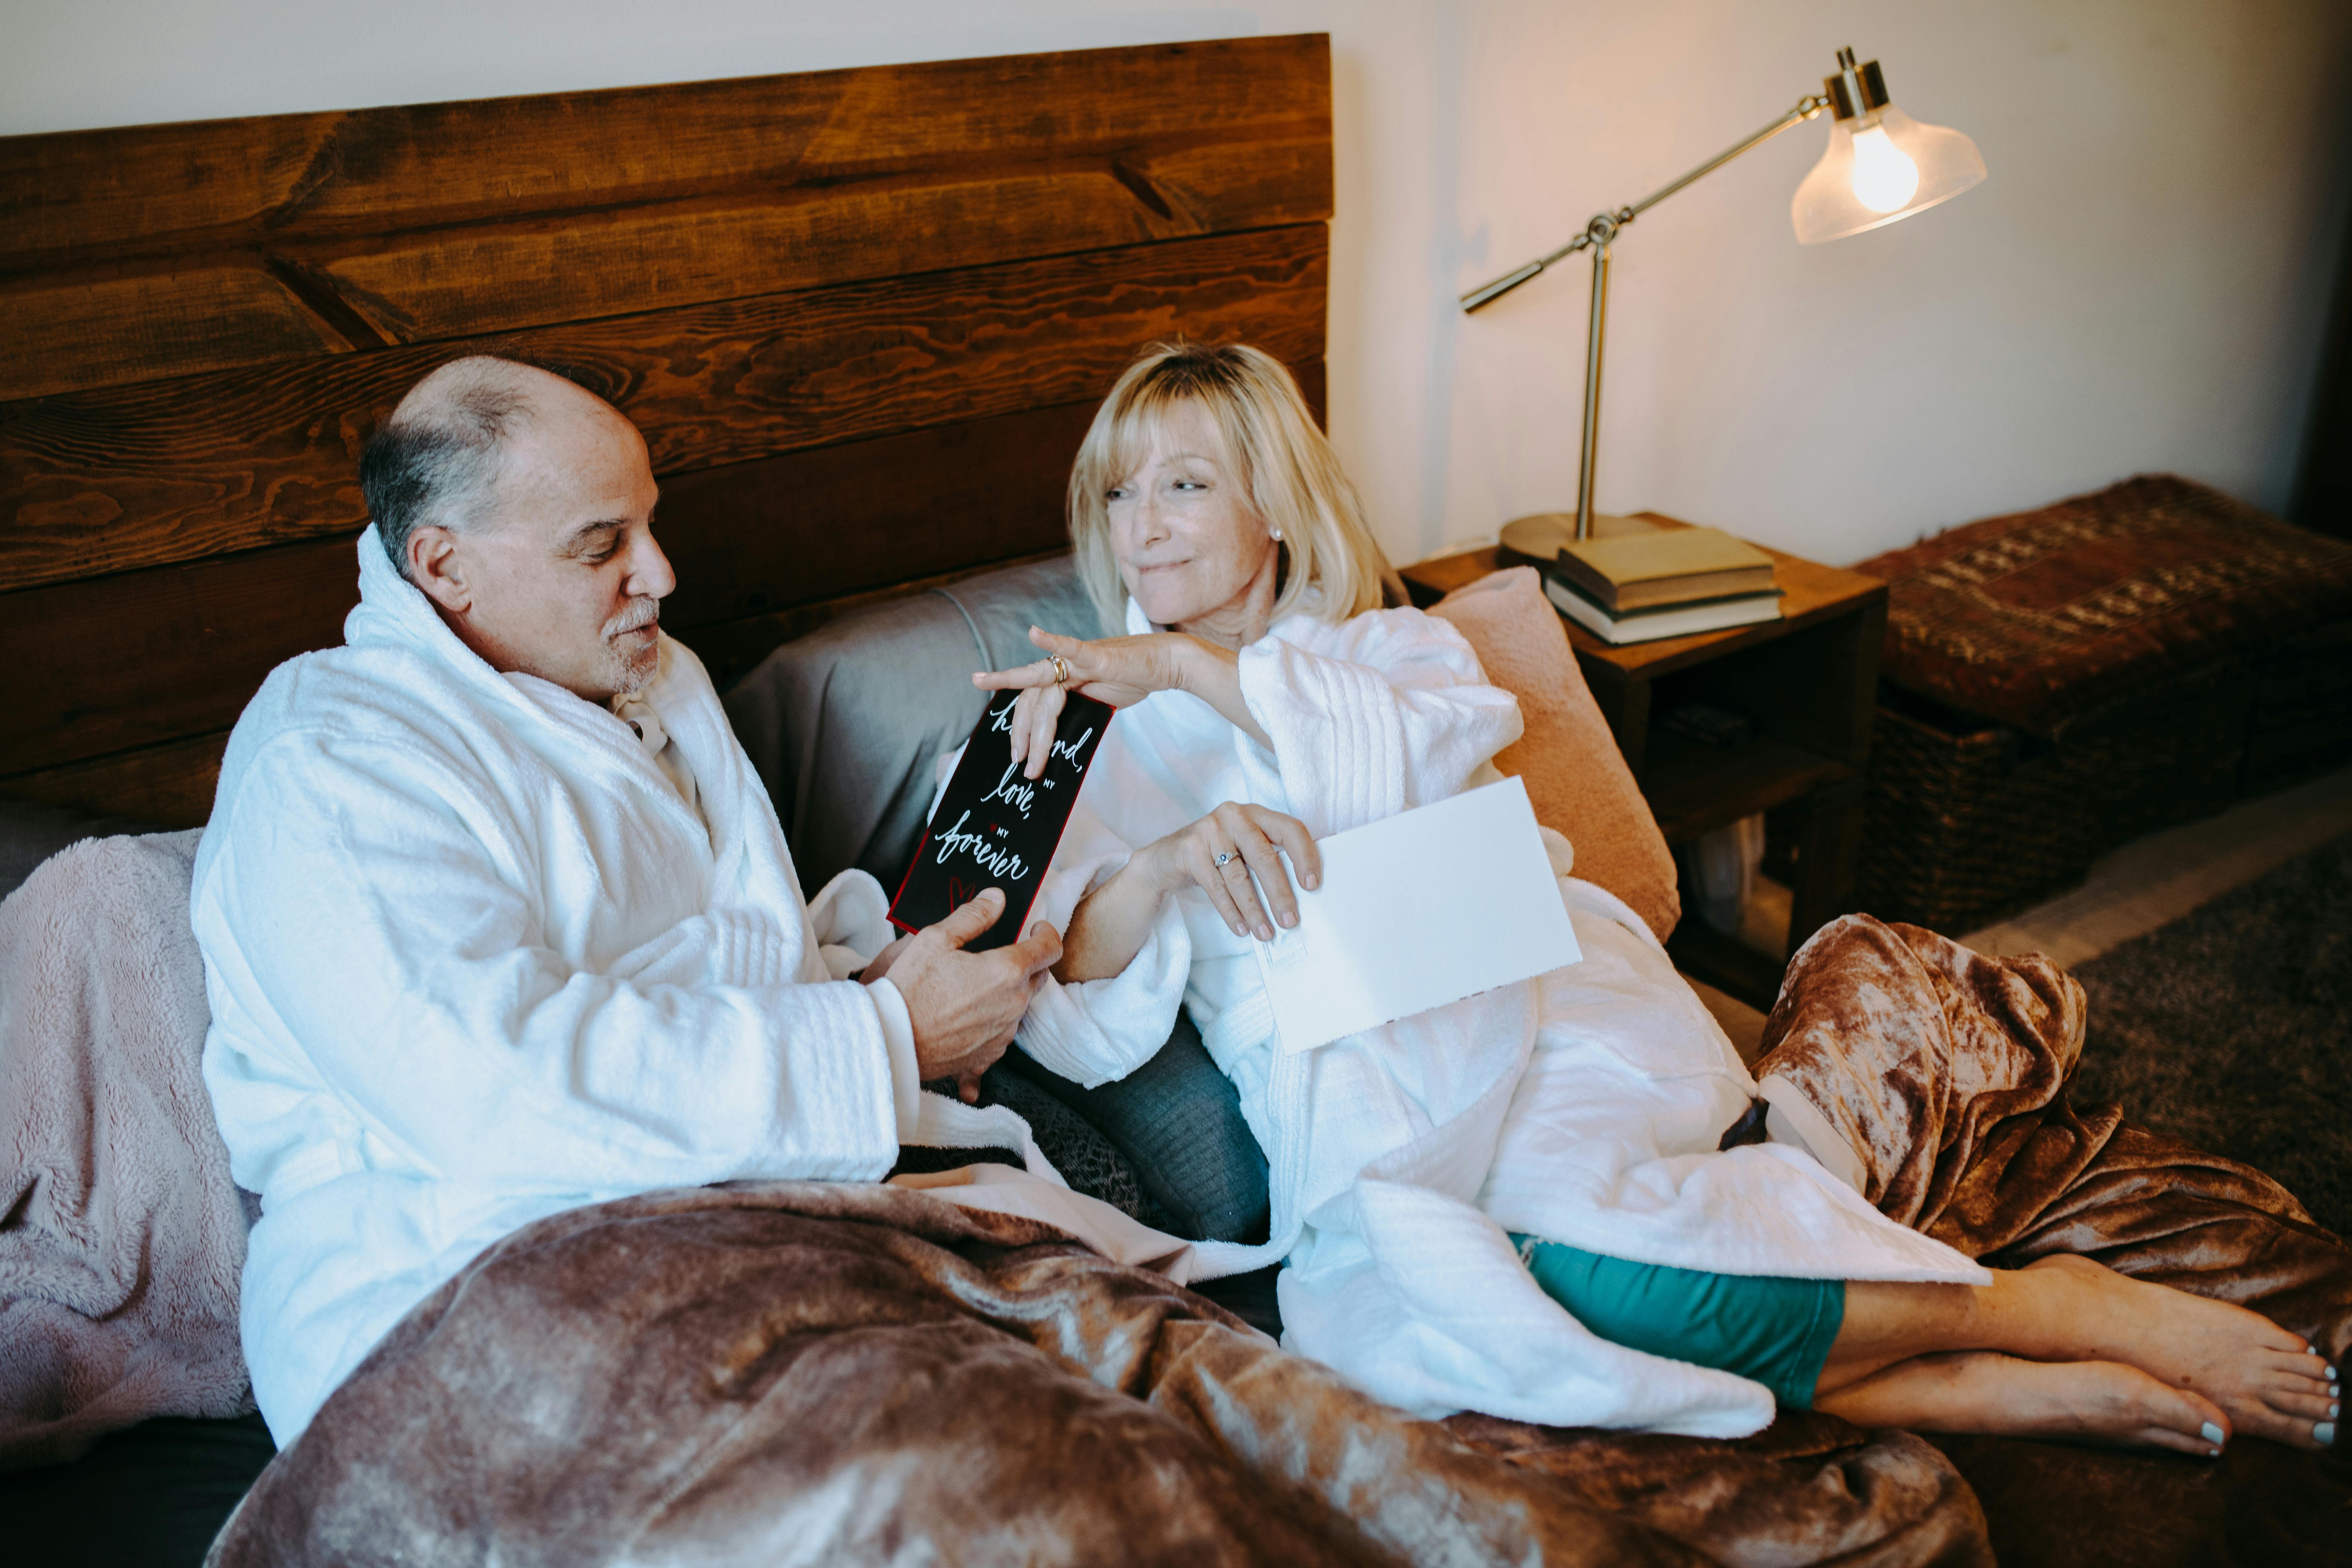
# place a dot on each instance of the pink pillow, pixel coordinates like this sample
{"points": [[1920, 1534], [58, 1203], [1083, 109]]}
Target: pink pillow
{"points": [[1576, 777]]}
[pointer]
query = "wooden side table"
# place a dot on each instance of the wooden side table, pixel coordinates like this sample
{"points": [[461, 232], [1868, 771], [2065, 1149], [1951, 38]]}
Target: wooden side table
{"points": [[1808, 681]]}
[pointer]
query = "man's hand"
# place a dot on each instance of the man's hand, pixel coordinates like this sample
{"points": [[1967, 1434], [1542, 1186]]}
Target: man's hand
{"points": [[965, 1005], [880, 963]]}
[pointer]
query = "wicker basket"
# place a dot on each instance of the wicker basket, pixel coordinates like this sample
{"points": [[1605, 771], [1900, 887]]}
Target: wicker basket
{"points": [[2059, 681], [1969, 822]]}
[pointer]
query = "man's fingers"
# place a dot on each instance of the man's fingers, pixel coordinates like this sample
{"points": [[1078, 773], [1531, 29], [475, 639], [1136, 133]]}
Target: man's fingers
{"points": [[971, 918], [1038, 952]]}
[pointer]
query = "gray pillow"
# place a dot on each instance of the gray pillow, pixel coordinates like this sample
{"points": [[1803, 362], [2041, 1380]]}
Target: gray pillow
{"points": [[879, 696]]}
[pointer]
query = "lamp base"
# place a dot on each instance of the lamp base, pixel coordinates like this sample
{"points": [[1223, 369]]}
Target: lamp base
{"points": [[1541, 536]]}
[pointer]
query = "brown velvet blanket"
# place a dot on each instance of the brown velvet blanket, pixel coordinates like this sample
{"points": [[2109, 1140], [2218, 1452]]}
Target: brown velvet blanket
{"points": [[786, 1372]]}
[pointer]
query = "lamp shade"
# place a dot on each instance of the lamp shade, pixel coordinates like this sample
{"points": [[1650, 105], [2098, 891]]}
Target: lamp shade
{"points": [[1880, 166]]}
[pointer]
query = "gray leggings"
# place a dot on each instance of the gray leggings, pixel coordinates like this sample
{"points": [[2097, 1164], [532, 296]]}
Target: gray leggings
{"points": [[1178, 1122]]}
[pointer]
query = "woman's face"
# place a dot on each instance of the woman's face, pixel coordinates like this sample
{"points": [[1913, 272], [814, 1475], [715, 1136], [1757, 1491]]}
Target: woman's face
{"points": [[1190, 546]]}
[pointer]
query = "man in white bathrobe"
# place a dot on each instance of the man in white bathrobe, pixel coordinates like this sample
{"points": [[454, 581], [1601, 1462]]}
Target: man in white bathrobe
{"points": [[498, 921]]}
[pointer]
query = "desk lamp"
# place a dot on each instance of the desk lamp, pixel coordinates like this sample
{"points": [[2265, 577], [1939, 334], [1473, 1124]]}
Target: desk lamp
{"points": [[1881, 165]]}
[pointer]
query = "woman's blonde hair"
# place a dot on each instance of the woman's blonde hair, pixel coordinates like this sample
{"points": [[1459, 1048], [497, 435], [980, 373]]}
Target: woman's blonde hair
{"points": [[1289, 469]]}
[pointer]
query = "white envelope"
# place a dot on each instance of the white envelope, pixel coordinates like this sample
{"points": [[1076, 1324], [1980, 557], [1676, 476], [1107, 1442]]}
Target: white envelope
{"points": [[1428, 907]]}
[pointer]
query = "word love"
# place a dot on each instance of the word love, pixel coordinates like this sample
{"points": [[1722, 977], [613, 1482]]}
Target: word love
{"points": [[1004, 827]]}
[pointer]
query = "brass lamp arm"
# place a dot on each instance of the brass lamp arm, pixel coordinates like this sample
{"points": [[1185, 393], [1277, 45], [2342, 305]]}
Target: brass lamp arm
{"points": [[1604, 226]]}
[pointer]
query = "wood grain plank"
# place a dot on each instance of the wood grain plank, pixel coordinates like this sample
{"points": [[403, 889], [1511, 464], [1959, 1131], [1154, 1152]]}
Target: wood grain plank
{"points": [[437, 221], [101, 329], [755, 537], [122, 477], [169, 785], [107, 665], [149, 656]]}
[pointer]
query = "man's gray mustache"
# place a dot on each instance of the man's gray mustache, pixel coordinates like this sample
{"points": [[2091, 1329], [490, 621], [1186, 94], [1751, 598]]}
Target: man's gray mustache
{"points": [[641, 613]]}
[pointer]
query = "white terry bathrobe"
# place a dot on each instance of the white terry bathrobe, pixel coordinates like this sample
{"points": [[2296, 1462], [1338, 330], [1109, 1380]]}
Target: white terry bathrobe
{"points": [[478, 951], [1583, 1107]]}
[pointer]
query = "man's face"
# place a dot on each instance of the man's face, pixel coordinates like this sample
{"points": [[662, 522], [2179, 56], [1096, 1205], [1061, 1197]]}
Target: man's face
{"points": [[560, 578]]}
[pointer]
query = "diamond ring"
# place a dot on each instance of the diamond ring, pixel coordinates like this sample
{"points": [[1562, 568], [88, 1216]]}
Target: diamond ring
{"points": [[1225, 857]]}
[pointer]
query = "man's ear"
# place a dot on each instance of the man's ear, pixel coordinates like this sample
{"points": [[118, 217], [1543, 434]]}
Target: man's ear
{"points": [[436, 565]]}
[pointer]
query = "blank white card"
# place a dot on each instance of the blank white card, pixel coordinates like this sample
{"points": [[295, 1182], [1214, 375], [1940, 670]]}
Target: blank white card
{"points": [[1424, 909]]}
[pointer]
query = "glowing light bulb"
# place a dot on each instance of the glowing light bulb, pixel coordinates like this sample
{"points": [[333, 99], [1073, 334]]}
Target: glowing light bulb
{"points": [[1883, 177]]}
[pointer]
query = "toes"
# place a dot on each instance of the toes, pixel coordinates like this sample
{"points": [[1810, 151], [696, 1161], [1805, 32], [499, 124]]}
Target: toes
{"points": [[2179, 1442], [2279, 1426], [2307, 1407], [2199, 1422]]}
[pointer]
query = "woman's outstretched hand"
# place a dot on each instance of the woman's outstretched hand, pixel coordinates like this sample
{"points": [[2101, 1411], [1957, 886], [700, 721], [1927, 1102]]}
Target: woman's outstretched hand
{"points": [[1121, 671], [1245, 839]]}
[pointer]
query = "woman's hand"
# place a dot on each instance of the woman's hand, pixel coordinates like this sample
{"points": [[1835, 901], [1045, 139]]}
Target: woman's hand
{"points": [[1218, 854], [1121, 671]]}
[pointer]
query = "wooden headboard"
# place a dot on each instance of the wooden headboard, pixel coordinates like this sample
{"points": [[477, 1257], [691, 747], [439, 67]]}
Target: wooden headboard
{"points": [[862, 317]]}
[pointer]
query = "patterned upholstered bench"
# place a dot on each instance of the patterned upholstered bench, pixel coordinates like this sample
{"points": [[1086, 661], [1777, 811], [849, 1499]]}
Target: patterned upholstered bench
{"points": [[2058, 681]]}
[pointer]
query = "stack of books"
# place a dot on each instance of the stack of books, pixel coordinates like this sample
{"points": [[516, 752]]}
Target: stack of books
{"points": [[1666, 582]]}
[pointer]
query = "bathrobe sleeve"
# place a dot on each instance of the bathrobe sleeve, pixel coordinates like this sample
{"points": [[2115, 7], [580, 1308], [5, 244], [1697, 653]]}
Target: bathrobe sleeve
{"points": [[1099, 1030], [1386, 711], [384, 915]]}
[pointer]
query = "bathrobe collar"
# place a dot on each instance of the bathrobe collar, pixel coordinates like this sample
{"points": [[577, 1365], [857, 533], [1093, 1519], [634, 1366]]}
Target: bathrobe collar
{"points": [[393, 613]]}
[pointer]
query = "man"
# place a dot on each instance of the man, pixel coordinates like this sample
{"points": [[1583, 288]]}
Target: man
{"points": [[498, 921]]}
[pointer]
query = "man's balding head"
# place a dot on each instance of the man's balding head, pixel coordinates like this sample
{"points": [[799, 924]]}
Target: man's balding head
{"points": [[521, 505], [436, 459]]}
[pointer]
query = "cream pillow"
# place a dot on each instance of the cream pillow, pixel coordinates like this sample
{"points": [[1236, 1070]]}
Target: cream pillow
{"points": [[1576, 777]]}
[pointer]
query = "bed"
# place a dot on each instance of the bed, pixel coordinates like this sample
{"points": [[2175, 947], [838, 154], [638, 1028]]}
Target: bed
{"points": [[862, 317]]}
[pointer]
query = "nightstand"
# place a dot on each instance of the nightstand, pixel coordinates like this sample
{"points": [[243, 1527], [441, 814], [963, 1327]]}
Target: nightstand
{"points": [[1807, 682]]}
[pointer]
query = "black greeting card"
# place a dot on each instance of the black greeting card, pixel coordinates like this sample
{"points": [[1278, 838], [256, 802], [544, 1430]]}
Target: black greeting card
{"points": [[995, 828]]}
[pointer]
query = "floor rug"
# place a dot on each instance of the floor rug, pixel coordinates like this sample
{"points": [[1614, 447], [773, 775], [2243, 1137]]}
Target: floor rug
{"points": [[2231, 1027]]}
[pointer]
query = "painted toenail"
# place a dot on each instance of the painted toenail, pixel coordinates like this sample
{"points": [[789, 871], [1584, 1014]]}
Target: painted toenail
{"points": [[2323, 1434], [2211, 1433]]}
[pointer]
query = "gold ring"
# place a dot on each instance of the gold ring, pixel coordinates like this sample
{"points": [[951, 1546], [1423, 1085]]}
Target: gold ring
{"points": [[1061, 671]]}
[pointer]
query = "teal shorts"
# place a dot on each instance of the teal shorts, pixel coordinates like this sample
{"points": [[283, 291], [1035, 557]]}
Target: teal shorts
{"points": [[1778, 1332]]}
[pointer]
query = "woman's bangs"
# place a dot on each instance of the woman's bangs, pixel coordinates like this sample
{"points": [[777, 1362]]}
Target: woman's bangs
{"points": [[1135, 427]]}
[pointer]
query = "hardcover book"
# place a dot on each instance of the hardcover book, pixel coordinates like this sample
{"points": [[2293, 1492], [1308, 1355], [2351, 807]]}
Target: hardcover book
{"points": [[1663, 620], [1668, 566], [994, 827]]}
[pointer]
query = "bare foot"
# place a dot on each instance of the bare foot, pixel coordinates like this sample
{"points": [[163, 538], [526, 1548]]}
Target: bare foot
{"points": [[2267, 1380], [2100, 1402]]}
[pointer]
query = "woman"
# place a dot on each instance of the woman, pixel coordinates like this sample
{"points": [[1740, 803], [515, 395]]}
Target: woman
{"points": [[1267, 700]]}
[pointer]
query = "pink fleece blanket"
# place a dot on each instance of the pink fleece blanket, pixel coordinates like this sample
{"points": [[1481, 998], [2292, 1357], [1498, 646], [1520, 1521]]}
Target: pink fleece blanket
{"points": [[121, 1233]]}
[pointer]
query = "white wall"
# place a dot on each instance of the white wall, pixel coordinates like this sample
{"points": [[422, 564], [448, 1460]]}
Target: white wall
{"points": [[2141, 284]]}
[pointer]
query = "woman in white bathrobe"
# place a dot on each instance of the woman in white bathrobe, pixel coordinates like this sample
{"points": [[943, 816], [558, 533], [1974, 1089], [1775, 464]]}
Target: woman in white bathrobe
{"points": [[1426, 1176]]}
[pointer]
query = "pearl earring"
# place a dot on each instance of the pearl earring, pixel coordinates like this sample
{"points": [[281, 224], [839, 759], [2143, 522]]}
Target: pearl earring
{"points": [[1276, 534]]}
